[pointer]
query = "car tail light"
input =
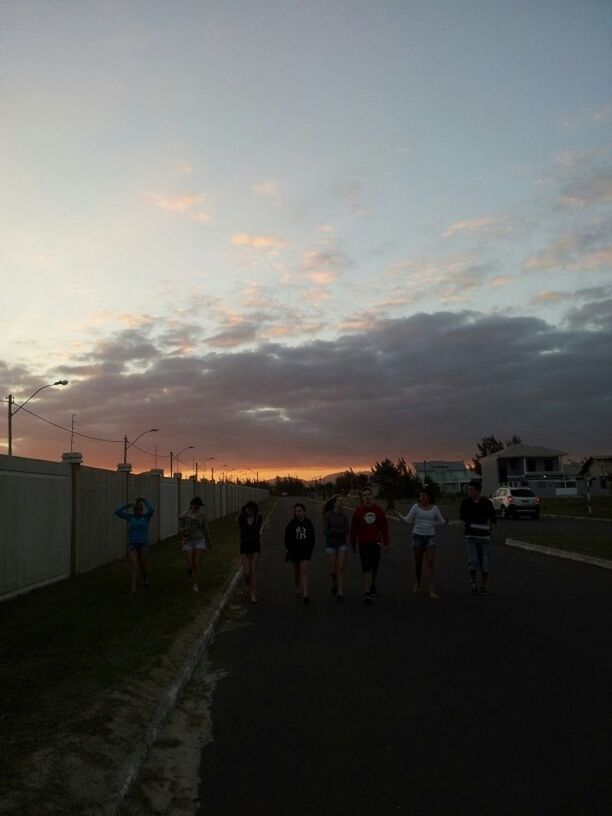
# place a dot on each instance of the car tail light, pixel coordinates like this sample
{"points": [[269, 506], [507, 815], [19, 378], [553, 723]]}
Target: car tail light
{"points": [[510, 499], [537, 499]]}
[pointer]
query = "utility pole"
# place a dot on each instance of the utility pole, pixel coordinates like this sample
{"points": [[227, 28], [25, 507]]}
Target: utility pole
{"points": [[171, 462], [72, 433], [10, 424]]}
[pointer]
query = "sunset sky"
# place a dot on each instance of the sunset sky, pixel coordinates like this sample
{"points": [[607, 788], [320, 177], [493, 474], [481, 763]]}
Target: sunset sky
{"points": [[303, 236]]}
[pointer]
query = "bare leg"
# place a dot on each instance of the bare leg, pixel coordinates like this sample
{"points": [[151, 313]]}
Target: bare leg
{"points": [[246, 571], [197, 557], [418, 566], [143, 563], [296, 577], [253, 575], [430, 554], [333, 572], [340, 572], [304, 577], [134, 568]]}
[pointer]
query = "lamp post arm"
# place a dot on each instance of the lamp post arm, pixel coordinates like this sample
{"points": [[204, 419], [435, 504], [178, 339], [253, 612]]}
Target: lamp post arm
{"points": [[28, 399]]}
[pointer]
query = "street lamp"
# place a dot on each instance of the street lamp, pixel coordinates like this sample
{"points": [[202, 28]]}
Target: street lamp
{"points": [[127, 444], [187, 447], [195, 466], [11, 413]]}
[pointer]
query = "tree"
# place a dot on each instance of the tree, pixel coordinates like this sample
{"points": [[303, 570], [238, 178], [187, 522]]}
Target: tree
{"points": [[290, 485], [395, 480], [350, 481], [489, 444], [408, 484]]}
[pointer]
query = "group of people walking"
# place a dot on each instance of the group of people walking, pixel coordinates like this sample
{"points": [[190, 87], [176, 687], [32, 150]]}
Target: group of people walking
{"points": [[194, 531], [367, 533]]}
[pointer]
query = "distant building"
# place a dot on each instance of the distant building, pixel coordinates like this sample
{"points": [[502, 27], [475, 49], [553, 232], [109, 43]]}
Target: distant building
{"points": [[451, 477], [532, 466], [597, 471]]}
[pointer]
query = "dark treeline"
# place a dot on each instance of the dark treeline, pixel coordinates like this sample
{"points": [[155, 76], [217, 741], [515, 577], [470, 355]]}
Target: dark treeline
{"points": [[392, 480]]}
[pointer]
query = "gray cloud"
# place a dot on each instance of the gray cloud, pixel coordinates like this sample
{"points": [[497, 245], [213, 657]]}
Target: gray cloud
{"points": [[593, 315], [427, 385]]}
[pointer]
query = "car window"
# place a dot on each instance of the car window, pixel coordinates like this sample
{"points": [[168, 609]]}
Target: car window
{"points": [[523, 491]]}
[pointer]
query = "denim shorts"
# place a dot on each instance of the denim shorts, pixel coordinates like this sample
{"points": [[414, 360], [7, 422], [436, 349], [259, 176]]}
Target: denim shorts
{"points": [[141, 549], [423, 541], [479, 551], [194, 544], [335, 550]]}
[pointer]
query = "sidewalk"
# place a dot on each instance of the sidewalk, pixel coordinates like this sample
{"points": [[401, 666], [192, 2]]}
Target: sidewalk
{"points": [[83, 666]]}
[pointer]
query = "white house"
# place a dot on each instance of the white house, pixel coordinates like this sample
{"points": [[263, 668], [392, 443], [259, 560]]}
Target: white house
{"points": [[521, 465], [451, 477]]}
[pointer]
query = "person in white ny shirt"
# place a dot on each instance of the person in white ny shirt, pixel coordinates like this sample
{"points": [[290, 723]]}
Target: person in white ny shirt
{"points": [[424, 515]]}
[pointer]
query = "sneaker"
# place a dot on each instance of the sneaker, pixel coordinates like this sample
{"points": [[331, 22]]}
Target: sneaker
{"points": [[367, 597], [484, 591], [373, 591], [433, 596], [416, 587], [306, 599], [473, 586], [195, 588], [341, 597]]}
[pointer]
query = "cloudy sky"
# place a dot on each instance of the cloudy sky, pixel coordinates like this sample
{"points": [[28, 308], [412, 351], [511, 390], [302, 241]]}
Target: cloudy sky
{"points": [[306, 236]]}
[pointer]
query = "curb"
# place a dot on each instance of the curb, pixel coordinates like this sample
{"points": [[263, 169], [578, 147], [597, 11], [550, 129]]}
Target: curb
{"points": [[171, 694], [572, 556], [574, 518]]}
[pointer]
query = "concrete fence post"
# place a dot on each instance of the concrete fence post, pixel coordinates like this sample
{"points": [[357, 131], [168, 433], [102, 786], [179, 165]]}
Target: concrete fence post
{"points": [[74, 459]]}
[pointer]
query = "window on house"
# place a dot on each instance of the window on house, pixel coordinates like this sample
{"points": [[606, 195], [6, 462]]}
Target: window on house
{"points": [[531, 464], [548, 464]]}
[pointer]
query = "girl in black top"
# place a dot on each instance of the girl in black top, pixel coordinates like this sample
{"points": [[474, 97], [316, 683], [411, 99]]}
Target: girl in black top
{"points": [[299, 543], [249, 522]]}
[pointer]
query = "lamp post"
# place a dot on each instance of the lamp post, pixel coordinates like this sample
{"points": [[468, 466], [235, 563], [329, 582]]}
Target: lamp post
{"points": [[127, 444], [187, 447], [11, 413], [195, 466]]}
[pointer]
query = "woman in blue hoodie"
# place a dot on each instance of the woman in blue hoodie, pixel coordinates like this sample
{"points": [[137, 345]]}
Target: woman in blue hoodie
{"points": [[137, 514]]}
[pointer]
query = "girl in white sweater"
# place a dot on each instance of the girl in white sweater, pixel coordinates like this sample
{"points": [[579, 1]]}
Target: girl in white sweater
{"points": [[424, 515]]}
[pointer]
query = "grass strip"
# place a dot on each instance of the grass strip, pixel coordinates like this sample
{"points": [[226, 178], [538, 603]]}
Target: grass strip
{"points": [[595, 546], [65, 649]]}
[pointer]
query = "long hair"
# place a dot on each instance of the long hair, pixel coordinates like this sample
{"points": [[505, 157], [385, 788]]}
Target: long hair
{"points": [[330, 504]]}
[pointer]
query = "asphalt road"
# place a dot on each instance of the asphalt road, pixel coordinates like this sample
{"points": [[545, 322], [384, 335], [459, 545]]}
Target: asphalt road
{"points": [[465, 705]]}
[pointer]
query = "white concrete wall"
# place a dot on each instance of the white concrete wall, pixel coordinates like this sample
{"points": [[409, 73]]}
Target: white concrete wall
{"points": [[57, 519], [35, 523]]}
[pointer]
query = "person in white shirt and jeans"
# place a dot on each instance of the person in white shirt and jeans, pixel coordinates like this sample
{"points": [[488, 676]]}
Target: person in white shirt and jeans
{"points": [[424, 515]]}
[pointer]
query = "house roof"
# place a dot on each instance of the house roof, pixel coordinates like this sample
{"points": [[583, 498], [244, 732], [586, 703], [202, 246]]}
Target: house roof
{"points": [[524, 450]]}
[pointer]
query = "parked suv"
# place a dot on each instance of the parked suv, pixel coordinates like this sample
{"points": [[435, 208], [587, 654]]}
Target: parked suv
{"points": [[512, 502]]}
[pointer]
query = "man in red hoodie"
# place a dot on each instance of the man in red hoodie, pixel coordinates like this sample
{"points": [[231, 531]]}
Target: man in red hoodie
{"points": [[369, 529]]}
